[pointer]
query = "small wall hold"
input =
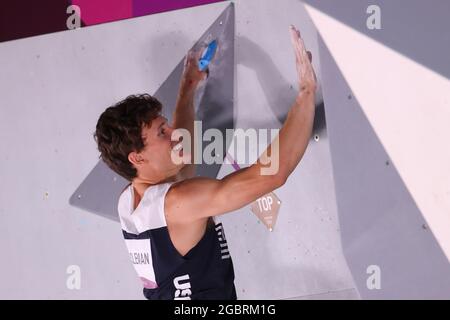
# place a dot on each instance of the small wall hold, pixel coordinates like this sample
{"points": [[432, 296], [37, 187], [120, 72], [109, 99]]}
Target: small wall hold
{"points": [[349, 97], [316, 137], [424, 227], [79, 196], [387, 162]]}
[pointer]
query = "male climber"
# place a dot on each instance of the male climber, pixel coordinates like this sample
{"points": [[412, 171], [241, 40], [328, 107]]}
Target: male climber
{"points": [[167, 215]]}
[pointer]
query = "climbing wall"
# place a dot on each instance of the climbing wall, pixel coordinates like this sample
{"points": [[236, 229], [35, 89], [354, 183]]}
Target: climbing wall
{"points": [[61, 199], [354, 201]]}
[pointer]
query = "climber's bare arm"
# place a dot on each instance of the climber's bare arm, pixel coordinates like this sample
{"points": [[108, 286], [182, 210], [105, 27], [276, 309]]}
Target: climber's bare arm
{"points": [[198, 198], [184, 114]]}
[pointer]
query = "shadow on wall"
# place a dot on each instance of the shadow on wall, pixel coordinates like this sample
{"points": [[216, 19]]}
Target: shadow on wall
{"points": [[380, 222], [425, 42], [279, 93]]}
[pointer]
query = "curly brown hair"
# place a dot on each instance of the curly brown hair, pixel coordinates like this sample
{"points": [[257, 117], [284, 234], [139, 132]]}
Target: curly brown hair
{"points": [[119, 131]]}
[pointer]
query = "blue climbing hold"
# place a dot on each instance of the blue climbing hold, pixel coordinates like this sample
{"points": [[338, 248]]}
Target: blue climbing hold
{"points": [[207, 55]]}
